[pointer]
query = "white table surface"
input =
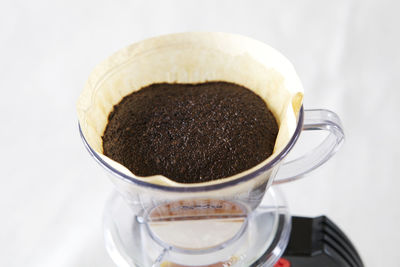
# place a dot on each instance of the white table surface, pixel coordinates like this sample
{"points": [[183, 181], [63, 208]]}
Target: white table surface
{"points": [[52, 193]]}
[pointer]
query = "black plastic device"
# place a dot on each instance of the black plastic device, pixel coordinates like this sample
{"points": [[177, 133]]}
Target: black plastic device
{"points": [[318, 242]]}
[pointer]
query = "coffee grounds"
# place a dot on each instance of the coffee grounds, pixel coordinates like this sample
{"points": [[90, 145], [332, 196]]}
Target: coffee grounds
{"points": [[190, 133]]}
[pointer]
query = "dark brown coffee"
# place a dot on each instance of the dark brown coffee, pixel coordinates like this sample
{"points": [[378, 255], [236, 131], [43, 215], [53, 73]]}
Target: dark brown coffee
{"points": [[190, 133]]}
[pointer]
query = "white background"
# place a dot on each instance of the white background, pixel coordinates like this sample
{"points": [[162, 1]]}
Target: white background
{"points": [[52, 193]]}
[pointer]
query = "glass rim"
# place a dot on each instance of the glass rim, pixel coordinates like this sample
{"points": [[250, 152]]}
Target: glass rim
{"points": [[200, 187]]}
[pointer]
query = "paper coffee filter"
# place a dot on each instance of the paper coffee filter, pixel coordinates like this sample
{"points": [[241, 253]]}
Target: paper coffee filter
{"points": [[190, 58]]}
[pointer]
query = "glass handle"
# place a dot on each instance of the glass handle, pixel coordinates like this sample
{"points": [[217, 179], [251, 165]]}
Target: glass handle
{"points": [[314, 120]]}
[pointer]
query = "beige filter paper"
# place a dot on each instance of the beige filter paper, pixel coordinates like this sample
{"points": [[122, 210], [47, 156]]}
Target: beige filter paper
{"points": [[191, 58]]}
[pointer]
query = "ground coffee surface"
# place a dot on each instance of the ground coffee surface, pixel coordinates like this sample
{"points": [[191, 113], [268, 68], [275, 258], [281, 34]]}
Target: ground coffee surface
{"points": [[190, 133]]}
